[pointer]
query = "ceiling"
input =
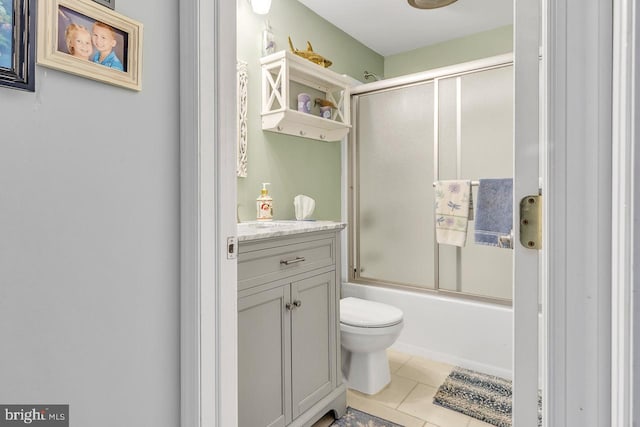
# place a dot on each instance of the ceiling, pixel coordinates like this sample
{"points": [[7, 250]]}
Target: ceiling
{"points": [[392, 26]]}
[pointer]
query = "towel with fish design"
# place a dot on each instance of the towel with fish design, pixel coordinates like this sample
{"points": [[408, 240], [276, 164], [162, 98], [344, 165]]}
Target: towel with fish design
{"points": [[452, 204]]}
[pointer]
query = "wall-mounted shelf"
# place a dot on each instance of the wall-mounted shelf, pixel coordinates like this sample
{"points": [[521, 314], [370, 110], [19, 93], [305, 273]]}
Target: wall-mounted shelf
{"points": [[282, 68]]}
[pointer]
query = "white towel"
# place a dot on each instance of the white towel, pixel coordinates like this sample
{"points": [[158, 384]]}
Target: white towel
{"points": [[452, 202]]}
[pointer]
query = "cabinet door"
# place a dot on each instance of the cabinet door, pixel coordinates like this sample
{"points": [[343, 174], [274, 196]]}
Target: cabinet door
{"points": [[264, 359], [313, 340]]}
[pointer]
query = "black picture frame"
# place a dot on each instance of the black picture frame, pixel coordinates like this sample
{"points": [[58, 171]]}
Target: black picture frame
{"points": [[111, 4], [18, 41]]}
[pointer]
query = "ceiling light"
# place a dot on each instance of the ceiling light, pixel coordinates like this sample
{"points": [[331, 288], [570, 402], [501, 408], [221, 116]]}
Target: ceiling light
{"points": [[261, 7], [430, 4]]}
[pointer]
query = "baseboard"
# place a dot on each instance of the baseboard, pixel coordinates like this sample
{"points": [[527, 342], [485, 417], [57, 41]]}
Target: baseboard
{"points": [[452, 360]]}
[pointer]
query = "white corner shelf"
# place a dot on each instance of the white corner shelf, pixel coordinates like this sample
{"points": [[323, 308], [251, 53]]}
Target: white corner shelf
{"points": [[282, 68]]}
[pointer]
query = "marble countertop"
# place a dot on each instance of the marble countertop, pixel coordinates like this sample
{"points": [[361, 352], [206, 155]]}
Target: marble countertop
{"points": [[253, 230]]}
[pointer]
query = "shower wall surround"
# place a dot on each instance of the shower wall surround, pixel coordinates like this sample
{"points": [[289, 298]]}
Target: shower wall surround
{"points": [[452, 123]]}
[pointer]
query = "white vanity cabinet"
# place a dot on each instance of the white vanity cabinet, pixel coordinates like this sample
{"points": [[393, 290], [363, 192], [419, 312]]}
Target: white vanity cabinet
{"points": [[288, 330]]}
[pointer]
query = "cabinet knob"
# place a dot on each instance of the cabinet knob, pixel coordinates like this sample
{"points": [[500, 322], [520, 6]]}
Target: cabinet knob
{"points": [[289, 306]]}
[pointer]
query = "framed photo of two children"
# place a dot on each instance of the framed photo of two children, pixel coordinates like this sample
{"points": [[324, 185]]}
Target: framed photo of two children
{"points": [[84, 38]]}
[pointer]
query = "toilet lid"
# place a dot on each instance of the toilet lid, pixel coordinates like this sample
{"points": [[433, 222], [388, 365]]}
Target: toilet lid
{"points": [[368, 314]]}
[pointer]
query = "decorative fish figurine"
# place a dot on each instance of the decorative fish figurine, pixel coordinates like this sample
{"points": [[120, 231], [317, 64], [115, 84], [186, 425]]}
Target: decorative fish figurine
{"points": [[310, 55], [324, 103]]}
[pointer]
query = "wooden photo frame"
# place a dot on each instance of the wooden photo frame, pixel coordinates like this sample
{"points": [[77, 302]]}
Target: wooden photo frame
{"points": [[17, 47], [83, 38]]}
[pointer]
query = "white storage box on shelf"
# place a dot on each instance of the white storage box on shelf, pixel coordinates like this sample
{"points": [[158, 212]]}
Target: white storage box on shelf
{"points": [[282, 68]]}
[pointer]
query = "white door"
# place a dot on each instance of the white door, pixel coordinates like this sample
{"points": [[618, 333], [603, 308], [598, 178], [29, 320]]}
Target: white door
{"points": [[208, 294], [526, 182]]}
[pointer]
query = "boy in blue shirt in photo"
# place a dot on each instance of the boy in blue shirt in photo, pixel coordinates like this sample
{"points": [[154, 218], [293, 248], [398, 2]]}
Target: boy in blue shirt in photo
{"points": [[104, 40]]}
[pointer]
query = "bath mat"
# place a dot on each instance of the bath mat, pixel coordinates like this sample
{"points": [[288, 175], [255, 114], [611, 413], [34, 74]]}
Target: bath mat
{"points": [[481, 396], [355, 418]]}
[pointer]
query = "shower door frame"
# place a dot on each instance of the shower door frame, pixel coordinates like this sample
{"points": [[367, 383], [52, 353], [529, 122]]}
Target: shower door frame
{"points": [[397, 83]]}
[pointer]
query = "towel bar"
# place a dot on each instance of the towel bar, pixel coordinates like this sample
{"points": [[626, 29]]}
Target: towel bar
{"points": [[473, 183]]}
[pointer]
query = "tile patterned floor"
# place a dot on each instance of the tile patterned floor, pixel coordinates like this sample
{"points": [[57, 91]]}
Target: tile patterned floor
{"points": [[408, 399]]}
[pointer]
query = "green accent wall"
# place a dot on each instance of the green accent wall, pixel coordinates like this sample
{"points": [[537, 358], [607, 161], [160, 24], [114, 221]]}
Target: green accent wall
{"points": [[294, 165], [476, 46]]}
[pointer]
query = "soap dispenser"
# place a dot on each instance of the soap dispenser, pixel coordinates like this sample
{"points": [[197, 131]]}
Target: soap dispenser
{"points": [[264, 204]]}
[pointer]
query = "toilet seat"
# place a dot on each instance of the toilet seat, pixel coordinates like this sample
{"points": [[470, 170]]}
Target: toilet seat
{"points": [[371, 332], [361, 313]]}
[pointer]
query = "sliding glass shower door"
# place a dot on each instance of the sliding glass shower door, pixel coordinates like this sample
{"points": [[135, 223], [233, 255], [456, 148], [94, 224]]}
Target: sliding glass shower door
{"points": [[475, 142], [395, 170], [406, 136]]}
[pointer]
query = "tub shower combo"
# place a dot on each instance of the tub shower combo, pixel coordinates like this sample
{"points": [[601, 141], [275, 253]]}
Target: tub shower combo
{"points": [[410, 132]]}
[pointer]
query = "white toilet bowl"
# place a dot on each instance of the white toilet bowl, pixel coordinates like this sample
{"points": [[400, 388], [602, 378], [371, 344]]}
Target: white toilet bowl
{"points": [[367, 329]]}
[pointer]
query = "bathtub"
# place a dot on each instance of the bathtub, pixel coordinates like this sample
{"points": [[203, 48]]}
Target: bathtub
{"points": [[460, 332]]}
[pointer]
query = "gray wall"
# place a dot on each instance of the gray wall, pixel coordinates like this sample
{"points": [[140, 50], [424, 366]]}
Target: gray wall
{"points": [[89, 239]]}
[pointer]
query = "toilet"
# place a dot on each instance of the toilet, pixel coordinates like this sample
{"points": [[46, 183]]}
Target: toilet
{"points": [[367, 329]]}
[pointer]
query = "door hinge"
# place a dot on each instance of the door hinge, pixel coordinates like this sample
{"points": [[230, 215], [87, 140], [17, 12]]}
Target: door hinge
{"points": [[531, 222]]}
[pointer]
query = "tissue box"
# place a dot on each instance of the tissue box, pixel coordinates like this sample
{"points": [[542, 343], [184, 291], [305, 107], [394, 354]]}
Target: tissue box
{"points": [[304, 206]]}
